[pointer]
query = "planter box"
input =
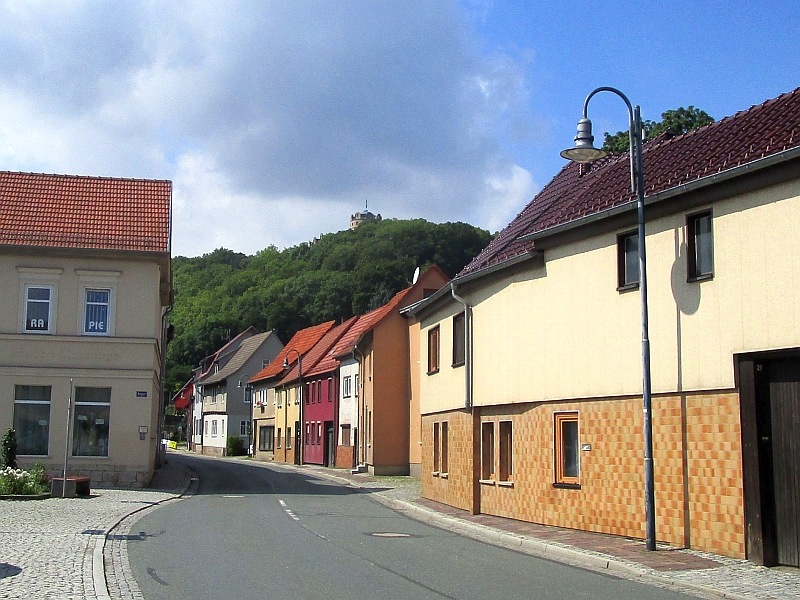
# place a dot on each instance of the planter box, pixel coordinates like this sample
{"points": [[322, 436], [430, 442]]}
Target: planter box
{"points": [[76, 486]]}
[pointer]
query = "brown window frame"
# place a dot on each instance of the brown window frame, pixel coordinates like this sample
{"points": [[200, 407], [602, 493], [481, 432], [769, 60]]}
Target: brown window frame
{"points": [[433, 350], [487, 451], [506, 433], [692, 270], [624, 281], [459, 339], [436, 442], [563, 479], [443, 455]]}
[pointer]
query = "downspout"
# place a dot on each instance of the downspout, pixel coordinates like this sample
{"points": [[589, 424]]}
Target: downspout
{"points": [[362, 460], [467, 347], [162, 384]]}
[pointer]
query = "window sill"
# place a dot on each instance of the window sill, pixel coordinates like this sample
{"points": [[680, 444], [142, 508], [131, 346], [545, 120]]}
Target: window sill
{"points": [[458, 364], [487, 482], [508, 484], [445, 475], [567, 486], [434, 372], [699, 278], [435, 473], [628, 288]]}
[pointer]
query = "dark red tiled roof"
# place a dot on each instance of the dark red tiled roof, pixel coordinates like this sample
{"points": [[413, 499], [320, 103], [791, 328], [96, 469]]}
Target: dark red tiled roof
{"points": [[576, 192], [302, 342], [69, 211], [319, 358]]}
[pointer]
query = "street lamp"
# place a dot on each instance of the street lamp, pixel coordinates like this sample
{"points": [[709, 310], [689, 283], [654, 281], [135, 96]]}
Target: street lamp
{"points": [[286, 412], [583, 152], [247, 387]]}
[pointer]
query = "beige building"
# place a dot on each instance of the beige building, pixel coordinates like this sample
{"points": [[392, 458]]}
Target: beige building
{"points": [[85, 265], [538, 416]]}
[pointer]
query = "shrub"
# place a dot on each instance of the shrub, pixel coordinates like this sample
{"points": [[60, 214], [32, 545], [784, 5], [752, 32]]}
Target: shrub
{"points": [[8, 451], [20, 482], [235, 446]]}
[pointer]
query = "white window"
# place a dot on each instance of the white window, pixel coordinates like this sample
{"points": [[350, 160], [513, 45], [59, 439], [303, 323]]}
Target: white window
{"points": [[96, 312], [244, 427], [214, 428], [98, 300], [346, 386], [205, 428], [38, 308], [356, 382]]}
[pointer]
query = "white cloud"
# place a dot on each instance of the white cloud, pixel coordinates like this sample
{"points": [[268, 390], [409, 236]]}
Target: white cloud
{"points": [[275, 120]]}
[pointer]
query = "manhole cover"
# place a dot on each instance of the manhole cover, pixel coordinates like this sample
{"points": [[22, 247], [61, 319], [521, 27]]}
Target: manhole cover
{"points": [[389, 534]]}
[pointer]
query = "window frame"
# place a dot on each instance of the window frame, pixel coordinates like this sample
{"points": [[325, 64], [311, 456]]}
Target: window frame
{"points": [[692, 270], [98, 406], [86, 306], [559, 450], [279, 439], [347, 386], [506, 458], [97, 281], [444, 458], [434, 346], [459, 339], [22, 436], [436, 442], [624, 283], [37, 277], [266, 438], [487, 452]]}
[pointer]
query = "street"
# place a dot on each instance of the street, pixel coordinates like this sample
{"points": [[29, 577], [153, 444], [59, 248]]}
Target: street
{"points": [[265, 531]]}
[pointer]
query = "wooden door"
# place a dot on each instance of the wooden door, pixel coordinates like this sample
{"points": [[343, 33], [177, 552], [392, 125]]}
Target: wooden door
{"points": [[784, 400]]}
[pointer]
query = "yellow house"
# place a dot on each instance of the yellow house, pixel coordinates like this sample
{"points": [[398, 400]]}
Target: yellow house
{"points": [[531, 368], [85, 266]]}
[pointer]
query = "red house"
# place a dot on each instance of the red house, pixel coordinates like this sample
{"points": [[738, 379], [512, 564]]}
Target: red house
{"points": [[321, 399]]}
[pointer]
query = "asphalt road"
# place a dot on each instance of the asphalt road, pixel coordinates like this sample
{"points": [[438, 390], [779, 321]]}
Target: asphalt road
{"points": [[261, 531]]}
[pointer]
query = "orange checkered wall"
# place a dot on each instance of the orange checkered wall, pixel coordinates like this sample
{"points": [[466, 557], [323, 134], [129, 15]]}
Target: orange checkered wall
{"points": [[697, 458]]}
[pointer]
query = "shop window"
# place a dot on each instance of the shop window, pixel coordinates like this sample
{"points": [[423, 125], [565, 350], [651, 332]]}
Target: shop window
{"points": [[32, 419], [90, 427]]}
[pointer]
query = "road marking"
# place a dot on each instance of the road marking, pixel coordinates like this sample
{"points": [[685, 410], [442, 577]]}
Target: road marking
{"points": [[390, 534], [288, 512], [233, 496]]}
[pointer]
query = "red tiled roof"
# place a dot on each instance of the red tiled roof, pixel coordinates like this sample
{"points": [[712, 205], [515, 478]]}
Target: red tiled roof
{"points": [[365, 323], [301, 342], [761, 131], [318, 354], [69, 211]]}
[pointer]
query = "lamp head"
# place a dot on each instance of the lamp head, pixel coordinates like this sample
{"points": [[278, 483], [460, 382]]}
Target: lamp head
{"points": [[286, 362], [584, 150]]}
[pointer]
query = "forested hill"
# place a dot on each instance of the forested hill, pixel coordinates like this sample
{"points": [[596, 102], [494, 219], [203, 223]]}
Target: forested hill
{"points": [[342, 274]]}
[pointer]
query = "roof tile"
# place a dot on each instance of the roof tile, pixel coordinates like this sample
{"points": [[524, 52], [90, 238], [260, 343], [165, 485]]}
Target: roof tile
{"points": [[576, 191]]}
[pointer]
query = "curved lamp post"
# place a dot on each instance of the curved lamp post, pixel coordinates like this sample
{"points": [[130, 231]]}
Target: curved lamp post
{"points": [[584, 152], [300, 397]]}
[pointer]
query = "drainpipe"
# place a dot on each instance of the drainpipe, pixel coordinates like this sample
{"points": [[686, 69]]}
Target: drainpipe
{"points": [[361, 449], [467, 347], [163, 385]]}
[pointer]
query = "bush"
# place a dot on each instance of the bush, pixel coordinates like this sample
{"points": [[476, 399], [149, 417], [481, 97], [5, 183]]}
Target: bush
{"points": [[235, 446], [19, 482], [8, 452]]}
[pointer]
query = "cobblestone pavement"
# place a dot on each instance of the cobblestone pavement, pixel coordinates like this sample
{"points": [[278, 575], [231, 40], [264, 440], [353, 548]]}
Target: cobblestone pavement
{"points": [[53, 548], [77, 547]]}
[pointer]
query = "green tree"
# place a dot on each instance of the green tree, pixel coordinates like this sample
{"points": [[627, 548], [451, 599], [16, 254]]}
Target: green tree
{"points": [[677, 122]]}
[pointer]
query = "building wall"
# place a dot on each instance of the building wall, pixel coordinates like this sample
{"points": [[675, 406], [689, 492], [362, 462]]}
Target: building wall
{"points": [[414, 417], [697, 457], [286, 415], [348, 413], [128, 361]]}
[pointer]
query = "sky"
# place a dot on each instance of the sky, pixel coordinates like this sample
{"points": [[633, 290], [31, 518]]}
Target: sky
{"points": [[276, 120]]}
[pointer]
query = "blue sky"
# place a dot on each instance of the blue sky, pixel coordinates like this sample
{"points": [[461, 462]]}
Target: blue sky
{"points": [[276, 120]]}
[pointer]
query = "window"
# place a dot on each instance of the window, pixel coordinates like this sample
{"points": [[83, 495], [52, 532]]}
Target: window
{"points": [[355, 381], [32, 419], [214, 428], [222, 426], [319, 432], [346, 382], [96, 313], [436, 448], [205, 429], [266, 441], [280, 400], [330, 389], [628, 261], [289, 438], [244, 427], [90, 428], [701, 246], [487, 451], [308, 433], [459, 340], [433, 350], [566, 449], [506, 451], [279, 437], [444, 448], [345, 435], [38, 309]]}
